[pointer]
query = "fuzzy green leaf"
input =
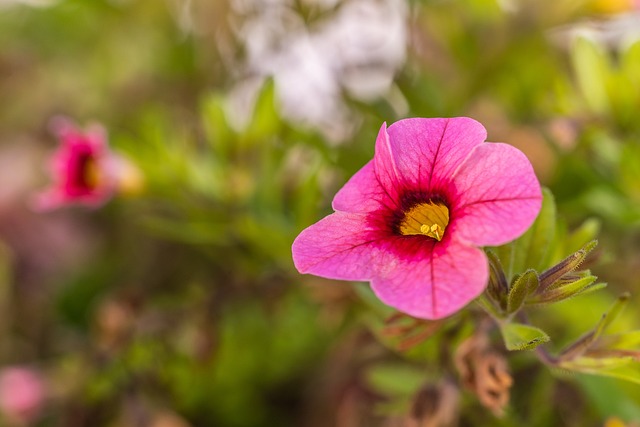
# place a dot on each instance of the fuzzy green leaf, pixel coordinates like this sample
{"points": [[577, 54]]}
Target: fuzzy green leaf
{"points": [[522, 337], [523, 286]]}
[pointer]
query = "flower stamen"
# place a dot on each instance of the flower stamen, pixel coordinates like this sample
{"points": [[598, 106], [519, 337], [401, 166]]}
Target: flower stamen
{"points": [[429, 219]]}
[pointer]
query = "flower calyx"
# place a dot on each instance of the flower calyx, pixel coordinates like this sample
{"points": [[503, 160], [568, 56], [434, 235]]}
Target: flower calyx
{"points": [[560, 282]]}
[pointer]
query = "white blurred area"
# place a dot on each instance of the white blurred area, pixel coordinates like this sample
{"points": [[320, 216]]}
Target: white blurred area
{"points": [[351, 46], [619, 30]]}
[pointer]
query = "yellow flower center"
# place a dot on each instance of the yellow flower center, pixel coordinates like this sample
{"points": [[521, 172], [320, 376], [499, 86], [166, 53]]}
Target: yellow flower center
{"points": [[428, 219], [91, 173], [87, 174]]}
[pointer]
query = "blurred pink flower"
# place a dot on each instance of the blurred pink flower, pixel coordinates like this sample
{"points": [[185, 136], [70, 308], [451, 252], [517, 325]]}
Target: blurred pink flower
{"points": [[83, 168], [411, 220], [22, 394]]}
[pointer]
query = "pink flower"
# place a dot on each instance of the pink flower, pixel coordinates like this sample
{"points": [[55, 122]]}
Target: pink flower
{"points": [[22, 394], [83, 168], [412, 219]]}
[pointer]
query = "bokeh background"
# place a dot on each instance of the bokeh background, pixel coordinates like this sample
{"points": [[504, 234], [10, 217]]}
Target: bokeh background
{"points": [[178, 304]]}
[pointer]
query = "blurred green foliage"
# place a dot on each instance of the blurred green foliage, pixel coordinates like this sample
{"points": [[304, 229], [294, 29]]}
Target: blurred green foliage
{"points": [[182, 298]]}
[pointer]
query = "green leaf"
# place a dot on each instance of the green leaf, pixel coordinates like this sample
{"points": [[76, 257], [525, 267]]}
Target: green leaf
{"points": [[265, 121], [523, 286], [541, 235], [585, 364], [625, 368], [522, 337], [625, 341], [217, 130], [629, 170], [488, 305], [585, 233], [394, 379], [630, 65], [532, 249], [611, 398], [592, 70]]}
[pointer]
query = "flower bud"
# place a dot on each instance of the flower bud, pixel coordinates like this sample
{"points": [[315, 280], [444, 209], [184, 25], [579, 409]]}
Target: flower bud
{"points": [[564, 267]]}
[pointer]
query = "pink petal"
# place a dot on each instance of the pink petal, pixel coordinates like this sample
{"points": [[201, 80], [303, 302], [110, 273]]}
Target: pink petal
{"points": [[362, 193], [340, 246], [434, 281], [93, 137], [386, 170], [424, 153], [498, 195]]}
